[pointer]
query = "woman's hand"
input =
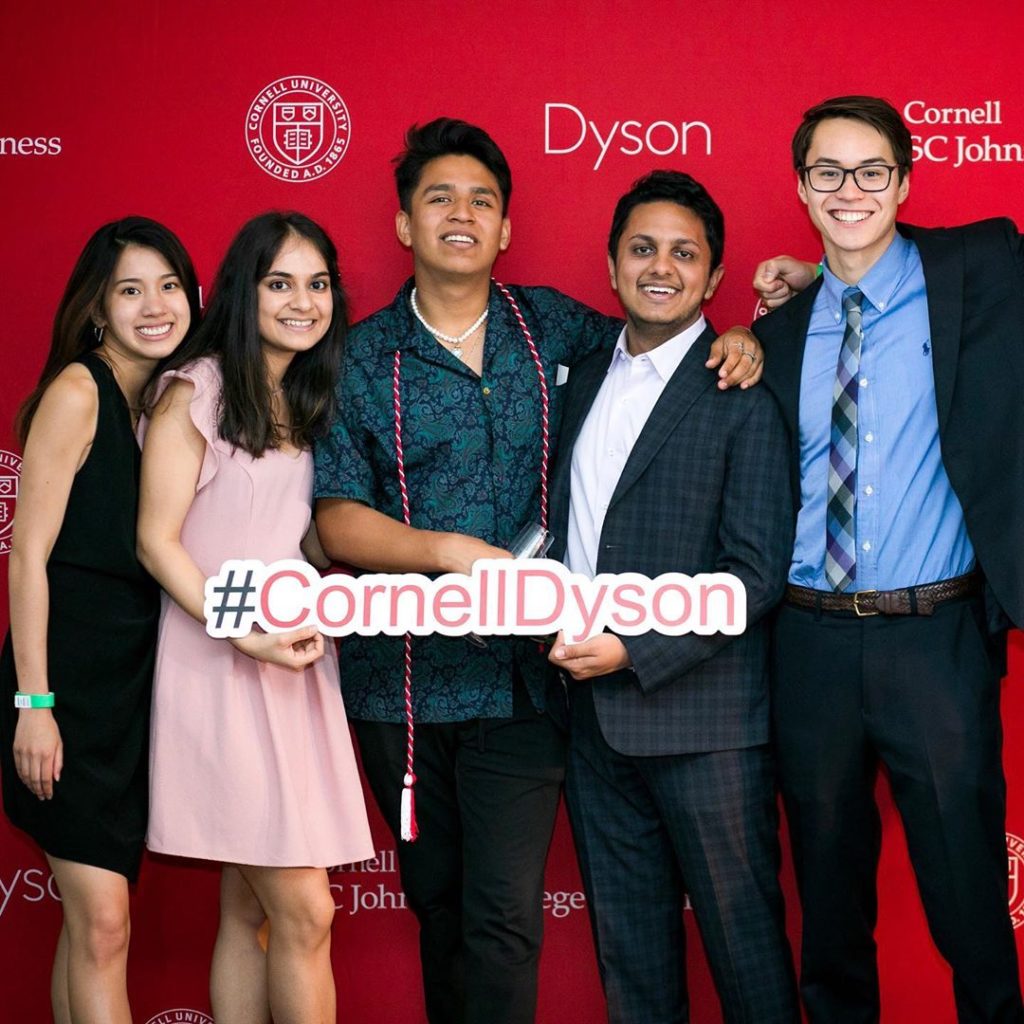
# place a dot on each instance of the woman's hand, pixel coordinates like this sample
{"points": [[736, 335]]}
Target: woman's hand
{"points": [[38, 751], [295, 649]]}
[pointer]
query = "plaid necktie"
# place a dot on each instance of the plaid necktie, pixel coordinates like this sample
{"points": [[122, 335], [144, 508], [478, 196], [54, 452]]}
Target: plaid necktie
{"points": [[840, 518]]}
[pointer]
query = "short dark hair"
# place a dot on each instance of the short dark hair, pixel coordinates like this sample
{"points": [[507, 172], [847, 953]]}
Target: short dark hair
{"points": [[872, 111], [83, 297], [230, 332], [671, 187], [447, 136]]}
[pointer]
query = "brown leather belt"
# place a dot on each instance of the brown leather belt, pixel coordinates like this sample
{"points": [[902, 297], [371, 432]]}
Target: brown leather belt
{"points": [[920, 600]]}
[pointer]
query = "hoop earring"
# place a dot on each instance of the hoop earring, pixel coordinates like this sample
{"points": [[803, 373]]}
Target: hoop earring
{"points": [[97, 333]]}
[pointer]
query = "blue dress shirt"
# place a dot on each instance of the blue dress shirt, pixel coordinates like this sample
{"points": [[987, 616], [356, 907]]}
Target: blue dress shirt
{"points": [[909, 524]]}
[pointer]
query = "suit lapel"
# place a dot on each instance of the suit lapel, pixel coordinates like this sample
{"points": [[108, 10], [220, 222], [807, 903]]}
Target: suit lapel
{"points": [[584, 382], [943, 263], [784, 353], [690, 380]]}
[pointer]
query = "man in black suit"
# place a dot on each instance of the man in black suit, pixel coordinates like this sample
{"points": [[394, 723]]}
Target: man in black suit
{"points": [[670, 781], [900, 373]]}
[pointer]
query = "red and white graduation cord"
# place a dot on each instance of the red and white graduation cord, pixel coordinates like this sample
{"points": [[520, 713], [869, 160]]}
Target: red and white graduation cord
{"points": [[409, 828]]}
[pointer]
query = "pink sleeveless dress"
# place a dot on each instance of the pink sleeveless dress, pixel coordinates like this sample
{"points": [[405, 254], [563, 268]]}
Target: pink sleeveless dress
{"points": [[249, 763]]}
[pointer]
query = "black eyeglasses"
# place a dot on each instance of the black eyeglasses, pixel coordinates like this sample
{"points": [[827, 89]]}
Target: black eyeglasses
{"points": [[830, 178]]}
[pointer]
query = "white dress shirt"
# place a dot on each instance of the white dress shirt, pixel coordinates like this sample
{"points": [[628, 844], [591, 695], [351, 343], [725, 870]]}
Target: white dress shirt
{"points": [[630, 390]]}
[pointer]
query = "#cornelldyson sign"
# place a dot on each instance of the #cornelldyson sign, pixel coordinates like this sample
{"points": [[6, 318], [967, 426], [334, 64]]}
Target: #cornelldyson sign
{"points": [[297, 129], [518, 597]]}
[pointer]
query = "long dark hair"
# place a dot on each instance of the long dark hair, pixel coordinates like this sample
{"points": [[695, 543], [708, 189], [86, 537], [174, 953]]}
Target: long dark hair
{"points": [[230, 332], [73, 332]]}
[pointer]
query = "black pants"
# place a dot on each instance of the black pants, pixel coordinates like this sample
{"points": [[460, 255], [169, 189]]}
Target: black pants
{"points": [[921, 695], [486, 796], [650, 829]]}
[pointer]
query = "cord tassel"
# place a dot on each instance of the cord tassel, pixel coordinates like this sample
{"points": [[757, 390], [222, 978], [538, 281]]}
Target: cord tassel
{"points": [[410, 830]]}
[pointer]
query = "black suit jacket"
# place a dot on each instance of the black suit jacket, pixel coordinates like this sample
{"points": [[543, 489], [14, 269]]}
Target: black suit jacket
{"points": [[975, 282], [704, 490]]}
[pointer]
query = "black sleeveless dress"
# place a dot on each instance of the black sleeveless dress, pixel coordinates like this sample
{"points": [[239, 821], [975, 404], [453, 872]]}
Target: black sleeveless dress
{"points": [[101, 638]]}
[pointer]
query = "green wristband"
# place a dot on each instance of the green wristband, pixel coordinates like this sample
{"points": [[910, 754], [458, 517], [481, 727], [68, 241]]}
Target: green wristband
{"points": [[33, 700]]}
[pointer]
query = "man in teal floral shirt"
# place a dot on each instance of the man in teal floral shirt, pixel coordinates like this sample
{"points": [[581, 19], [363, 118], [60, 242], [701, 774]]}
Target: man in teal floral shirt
{"points": [[489, 758], [472, 450]]}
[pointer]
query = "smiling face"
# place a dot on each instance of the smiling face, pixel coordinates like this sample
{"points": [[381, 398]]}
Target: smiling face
{"points": [[662, 271], [454, 226], [295, 302], [145, 311], [856, 227]]}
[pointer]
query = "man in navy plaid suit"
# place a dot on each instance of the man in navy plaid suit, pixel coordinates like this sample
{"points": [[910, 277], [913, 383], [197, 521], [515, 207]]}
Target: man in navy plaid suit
{"points": [[670, 782]]}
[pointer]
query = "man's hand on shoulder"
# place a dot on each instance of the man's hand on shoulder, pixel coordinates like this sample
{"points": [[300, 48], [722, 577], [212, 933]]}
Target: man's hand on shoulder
{"points": [[739, 358], [777, 280], [597, 656]]}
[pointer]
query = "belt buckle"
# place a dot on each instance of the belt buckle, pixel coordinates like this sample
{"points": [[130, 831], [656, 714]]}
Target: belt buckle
{"points": [[856, 603]]}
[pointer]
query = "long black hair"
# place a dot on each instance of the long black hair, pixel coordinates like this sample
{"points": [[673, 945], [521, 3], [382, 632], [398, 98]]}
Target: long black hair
{"points": [[230, 332], [73, 325]]}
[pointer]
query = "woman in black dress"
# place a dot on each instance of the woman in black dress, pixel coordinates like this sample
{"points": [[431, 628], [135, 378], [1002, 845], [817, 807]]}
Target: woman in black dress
{"points": [[76, 667]]}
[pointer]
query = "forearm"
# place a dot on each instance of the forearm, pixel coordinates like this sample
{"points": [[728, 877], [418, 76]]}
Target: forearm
{"points": [[360, 536], [659, 659], [312, 549], [29, 613], [173, 568]]}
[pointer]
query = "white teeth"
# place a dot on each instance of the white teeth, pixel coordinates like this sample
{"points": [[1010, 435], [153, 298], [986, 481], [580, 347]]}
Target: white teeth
{"points": [[296, 323], [154, 332], [458, 238], [849, 216], [653, 289]]}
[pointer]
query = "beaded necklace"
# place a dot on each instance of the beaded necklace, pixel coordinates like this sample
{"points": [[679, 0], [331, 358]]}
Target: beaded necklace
{"points": [[455, 341]]}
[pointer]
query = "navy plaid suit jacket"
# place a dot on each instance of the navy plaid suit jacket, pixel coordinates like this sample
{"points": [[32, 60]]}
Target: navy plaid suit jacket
{"points": [[705, 489]]}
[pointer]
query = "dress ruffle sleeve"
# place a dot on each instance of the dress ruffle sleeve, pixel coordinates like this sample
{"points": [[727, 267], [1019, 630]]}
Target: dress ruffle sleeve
{"points": [[204, 409]]}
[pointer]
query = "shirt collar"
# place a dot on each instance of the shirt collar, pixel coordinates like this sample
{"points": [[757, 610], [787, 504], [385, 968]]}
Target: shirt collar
{"points": [[667, 356], [879, 284]]}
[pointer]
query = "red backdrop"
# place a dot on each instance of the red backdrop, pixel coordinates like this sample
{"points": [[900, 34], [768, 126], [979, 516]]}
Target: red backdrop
{"points": [[145, 108]]}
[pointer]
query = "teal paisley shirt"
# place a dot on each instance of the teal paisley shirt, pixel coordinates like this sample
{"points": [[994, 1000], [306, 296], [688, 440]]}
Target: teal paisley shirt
{"points": [[472, 450]]}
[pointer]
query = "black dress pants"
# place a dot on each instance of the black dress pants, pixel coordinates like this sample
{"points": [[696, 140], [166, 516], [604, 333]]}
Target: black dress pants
{"points": [[486, 796], [920, 694]]}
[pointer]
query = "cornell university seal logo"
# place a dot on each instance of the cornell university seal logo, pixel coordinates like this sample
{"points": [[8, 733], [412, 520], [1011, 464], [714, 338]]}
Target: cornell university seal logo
{"points": [[1015, 851], [180, 1016], [10, 473], [297, 129]]}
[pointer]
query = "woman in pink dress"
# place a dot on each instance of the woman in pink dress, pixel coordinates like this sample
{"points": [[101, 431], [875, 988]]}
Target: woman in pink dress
{"points": [[251, 761]]}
